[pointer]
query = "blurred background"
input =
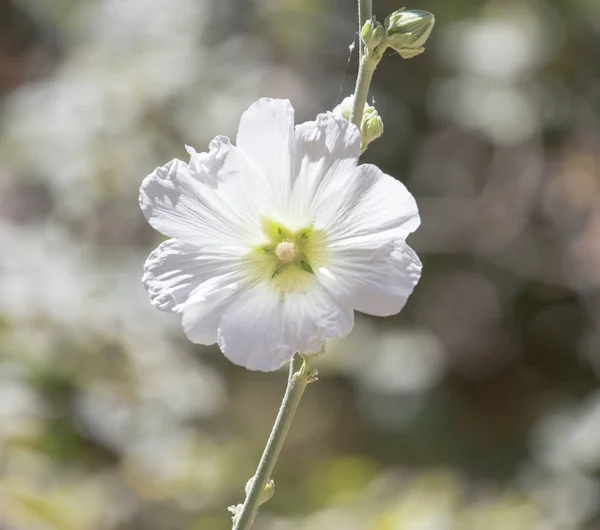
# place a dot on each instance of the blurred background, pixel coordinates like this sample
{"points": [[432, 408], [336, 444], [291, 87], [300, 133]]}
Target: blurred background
{"points": [[477, 407]]}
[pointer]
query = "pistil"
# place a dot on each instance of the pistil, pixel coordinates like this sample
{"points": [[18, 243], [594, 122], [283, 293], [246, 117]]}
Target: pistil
{"points": [[286, 251]]}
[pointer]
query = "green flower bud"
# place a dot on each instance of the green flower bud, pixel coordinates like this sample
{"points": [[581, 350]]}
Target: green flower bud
{"points": [[267, 493], [372, 34], [407, 31], [372, 127], [344, 109]]}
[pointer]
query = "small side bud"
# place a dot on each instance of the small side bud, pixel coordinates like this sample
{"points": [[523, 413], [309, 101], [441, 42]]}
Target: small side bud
{"points": [[367, 29], [372, 34], [344, 109], [371, 126], [408, 30], [235, 510], [267, 493], [313, 376]]}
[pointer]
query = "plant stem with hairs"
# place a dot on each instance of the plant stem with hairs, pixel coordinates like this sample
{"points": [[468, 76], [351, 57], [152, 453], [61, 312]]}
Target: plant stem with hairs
{"points": [[260, 487]]}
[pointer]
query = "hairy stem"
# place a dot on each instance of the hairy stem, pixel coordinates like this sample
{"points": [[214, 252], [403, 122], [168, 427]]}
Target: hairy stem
{"points": [[299, 377], [367, 66], [365, 12]]}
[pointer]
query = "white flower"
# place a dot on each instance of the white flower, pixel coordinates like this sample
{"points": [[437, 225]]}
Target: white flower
{"points": [[277, 240]]}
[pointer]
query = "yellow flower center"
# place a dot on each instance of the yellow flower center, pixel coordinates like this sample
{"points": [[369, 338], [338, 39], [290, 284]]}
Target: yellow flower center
{"points": [[288, 257]]}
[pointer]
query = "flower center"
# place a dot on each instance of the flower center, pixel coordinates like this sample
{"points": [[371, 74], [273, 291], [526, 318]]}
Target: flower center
{"points": [[287, 258], [286, 251]]}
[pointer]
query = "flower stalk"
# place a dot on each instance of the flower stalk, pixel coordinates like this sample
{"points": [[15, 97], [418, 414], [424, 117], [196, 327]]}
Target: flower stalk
{"points": [[366, 68], [260, 487], [405, 31], [365, 12]]}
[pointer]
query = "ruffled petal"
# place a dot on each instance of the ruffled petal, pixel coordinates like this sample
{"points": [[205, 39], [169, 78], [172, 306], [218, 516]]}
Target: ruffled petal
{"points": [[179, 205], [174, 269], [263, 329], [209, 167], [326, 155], [372, 279]]}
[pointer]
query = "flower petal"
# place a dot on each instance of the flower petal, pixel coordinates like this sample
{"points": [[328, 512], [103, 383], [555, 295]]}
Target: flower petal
{"points": [[207, 304], [366, 262], [371, 279], [208, 167], [313, 316], [181, 206], [372, 204], [265, 135], [174, 269], [263, 329], [327, 151]]}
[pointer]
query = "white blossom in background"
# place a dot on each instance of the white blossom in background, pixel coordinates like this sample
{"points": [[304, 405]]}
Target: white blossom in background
{"points": [[92, 111], [276, 241]]}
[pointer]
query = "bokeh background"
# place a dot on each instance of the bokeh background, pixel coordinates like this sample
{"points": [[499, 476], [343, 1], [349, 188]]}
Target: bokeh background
{"points": [[477, 407]]}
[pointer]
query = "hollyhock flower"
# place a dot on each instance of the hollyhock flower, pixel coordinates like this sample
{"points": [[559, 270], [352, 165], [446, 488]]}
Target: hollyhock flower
{"points": [[276, 241]]}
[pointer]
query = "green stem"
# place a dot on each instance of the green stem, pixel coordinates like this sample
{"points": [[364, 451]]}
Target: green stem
{"points": [[298, 378], [368, 59], [365, 12], [367, 66]]}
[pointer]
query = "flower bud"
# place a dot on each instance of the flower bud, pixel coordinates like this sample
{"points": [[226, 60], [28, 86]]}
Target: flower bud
{"points": [[372, 34], [267, 493], [235, 510], [344, 109], [371, 126], [407, 31]]}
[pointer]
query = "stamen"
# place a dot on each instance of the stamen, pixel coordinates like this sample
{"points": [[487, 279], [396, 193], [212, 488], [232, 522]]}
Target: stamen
{"points": [[286, 251]]}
